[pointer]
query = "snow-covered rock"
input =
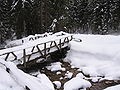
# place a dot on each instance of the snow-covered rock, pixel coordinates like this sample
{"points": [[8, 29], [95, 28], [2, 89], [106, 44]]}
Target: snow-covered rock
{"points": [[68, 74], [76, 83], [55, 67], [58, 84]]}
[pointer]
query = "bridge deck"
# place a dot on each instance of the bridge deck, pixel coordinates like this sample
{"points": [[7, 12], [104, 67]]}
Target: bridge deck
{"points": [[39, 48]]}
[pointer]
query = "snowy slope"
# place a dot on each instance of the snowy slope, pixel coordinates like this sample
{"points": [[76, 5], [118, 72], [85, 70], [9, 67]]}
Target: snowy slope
{"points": [[96, 55]]}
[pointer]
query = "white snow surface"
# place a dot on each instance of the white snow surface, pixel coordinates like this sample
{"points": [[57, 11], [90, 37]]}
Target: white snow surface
{"points": [[55, 67], [58, 84], [96, 55], [68, 74], [77, 83], [16, 79], [116, 87]]}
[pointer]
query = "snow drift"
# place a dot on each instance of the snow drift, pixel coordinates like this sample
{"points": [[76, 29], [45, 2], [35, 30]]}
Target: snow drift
{"points": [[96, 55]]}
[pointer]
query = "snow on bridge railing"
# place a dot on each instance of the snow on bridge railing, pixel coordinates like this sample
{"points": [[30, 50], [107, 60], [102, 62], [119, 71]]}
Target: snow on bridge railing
{"points": [[31, 44], [28, 49]]}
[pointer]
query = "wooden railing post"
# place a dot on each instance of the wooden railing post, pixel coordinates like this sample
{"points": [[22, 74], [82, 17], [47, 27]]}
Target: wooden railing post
{"points": [[45, 50], [60, 44], [71, 37], [7, 57], [24, 58]]}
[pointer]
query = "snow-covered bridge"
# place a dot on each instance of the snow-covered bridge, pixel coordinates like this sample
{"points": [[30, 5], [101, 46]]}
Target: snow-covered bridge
{"points": [[36, 49]]}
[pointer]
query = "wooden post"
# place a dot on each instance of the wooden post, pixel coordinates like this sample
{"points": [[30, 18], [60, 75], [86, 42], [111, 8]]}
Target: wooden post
{"points": [[22, 41], [31, 54], [60, 44], [50, 46], [71, 37], [40, 51], [24, 58], [56, 45], [7, 56], [45, 50]]}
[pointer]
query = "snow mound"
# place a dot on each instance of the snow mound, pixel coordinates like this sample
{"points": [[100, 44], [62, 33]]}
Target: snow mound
{"points": [[15, 79], [117, 87], [76, 83]]}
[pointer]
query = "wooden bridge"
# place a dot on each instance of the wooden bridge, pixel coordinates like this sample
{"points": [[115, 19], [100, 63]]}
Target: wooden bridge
{"points": [[25, 54]]}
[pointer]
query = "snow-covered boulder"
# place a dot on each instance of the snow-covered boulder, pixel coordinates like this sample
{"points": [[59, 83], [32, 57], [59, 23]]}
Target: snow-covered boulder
{"points": [[77, 83]]}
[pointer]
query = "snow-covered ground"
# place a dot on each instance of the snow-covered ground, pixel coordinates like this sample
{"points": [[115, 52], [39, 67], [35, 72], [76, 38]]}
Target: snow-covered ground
{"points": [[117, 87], [97, 56]]}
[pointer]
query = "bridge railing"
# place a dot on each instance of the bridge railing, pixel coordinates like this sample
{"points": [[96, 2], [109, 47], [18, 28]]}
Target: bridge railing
{"points": [[26, 54]]}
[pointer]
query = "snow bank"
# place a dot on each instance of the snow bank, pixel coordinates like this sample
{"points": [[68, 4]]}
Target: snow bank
{"points": [[77, 83], [117, 87], [96, 55], [15, 79]]}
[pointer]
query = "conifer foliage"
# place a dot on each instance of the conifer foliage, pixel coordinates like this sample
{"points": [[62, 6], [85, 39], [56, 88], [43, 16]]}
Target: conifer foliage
{"points": [[19, 18]]}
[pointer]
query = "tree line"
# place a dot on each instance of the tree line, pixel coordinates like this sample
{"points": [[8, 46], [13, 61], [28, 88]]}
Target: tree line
{"points": [[19, 18]]}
